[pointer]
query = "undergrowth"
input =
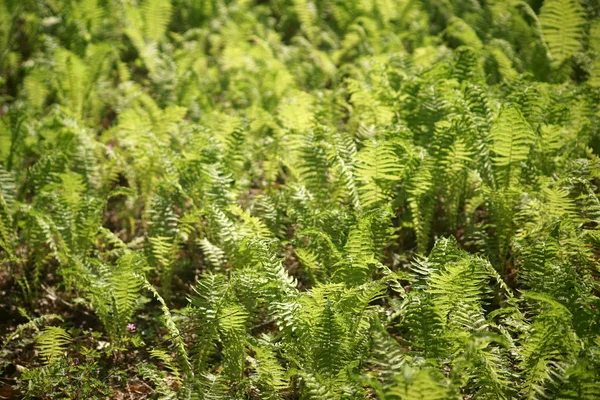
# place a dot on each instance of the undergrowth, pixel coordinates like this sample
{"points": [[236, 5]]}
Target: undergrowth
{"points": [[293, 199]]}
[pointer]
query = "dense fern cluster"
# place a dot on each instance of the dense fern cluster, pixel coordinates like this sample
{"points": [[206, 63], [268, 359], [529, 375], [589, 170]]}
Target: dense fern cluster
{"points": [[293, 199]]}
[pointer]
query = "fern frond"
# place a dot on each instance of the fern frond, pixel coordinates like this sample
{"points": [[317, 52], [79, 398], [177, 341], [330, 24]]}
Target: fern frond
{"points": [[52, 343], [157, 15], [167, 360], [175, 335], [215, 256], [376, 167], [329, 351], [512, 137], [549, 346], [32, 324], [125, 287], [562, 26], [420, 384], [271, 375]]}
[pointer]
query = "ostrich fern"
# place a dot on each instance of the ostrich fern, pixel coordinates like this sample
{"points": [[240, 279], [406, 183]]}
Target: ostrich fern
{"points": [[300, 199]]}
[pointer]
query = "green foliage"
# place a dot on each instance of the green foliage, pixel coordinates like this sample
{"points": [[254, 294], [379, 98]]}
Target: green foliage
{"points": [[562, 22], [295, 199]]}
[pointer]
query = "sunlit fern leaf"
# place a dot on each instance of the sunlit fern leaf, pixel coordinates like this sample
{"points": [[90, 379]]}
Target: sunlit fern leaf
{"points": [[296, 112], [72, 80], [167, 121], [224, 229], [232, 319], [377, 166], [234, 157], [87, 16], [359, 246], [594, 43], [503, 63], [562, 25], [460, 305], [512, 137], [307, 15], [213, 254], [478, 103], [234, 356], [425, 327], [268, 209], [31, 324], [52, 343], [421, 203], [271, 375], [316, 388], [310, 261], [157, 15], [253, 226], [467, 66], [126, 288], [342, 157], [386, 355], [532, 101], [203, 312], [279, 284], [580, 380], [368, 109], [163, 219], [162, 250], [167, 361], [485, 360], [314, 164], [460, 31], [36, 88], [221, 189], [7, 200], [213, 387]]}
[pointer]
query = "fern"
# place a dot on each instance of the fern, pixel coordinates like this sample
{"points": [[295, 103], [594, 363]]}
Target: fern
{"points": [[376, 166], [512, 137], [562, 22], [52, 343], [156, 14], [172, 328], [316, 199]]}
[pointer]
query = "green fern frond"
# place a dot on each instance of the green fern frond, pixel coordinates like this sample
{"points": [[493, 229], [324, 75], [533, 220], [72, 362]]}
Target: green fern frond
{"points": [[271, 375], [213, 387], [329, 345], [157, 15], [125, 287], [52, 343], [421, 384], [562, 26], [213, 254], [167, 360], [549, 346], [376, 167], [462, 32], [175, 335], [32, 324], [512, 137]]}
